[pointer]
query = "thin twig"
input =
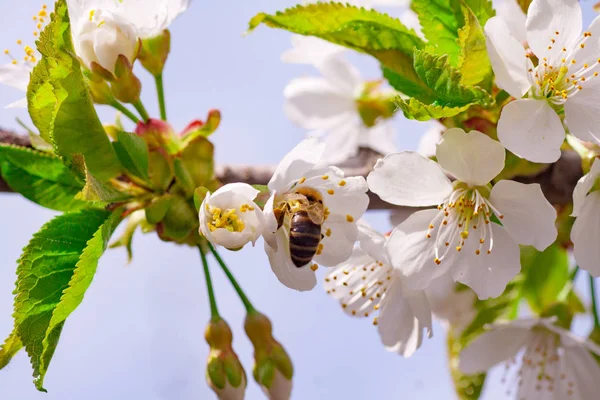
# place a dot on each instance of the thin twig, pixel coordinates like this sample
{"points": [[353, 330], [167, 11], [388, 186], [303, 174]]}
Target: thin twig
{"points": [[557, 181]]}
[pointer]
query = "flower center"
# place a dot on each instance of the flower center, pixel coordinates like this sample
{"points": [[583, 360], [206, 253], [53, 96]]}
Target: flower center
{"points": [[30, 54], [228, 219], [465, 215], [360, 288], [373, 104], [561, 76], [539, 369]]}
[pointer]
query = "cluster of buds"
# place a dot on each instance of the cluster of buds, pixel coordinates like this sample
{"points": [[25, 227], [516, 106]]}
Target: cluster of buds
{"points": [[178, 165], [273, 369], [224, 372]]}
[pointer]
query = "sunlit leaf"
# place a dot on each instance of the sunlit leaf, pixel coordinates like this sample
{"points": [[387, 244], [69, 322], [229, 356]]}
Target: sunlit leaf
{"points": [[54, 272], [60, 105]]}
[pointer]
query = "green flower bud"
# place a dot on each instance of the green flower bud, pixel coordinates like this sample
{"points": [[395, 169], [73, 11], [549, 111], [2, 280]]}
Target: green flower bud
{"points": [[224, 372], [154, 52], [126, 87], [373, 104], [273, 369]]}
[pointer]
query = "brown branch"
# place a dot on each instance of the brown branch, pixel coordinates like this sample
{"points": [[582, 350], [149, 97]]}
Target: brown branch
{"points": [[557, 181]]}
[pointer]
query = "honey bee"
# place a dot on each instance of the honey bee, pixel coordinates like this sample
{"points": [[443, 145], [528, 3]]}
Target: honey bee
{"points": [[303, 212]]}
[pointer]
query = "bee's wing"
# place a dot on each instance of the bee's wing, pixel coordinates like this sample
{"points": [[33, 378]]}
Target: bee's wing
{"points": [[316, 213]]}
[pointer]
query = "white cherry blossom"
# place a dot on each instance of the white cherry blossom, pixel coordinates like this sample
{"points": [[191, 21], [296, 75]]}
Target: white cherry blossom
{"points": [[298, 185], [230, 218], [586, 230], [367, 285], [331, 106], [102, 37], [564, 79], [148, 17], [543, 361], [463, 235]]}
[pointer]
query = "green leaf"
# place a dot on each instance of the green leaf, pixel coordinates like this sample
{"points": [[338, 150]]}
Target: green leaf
{"points": [[60, 105], [135, 220], [158, 208], [184, 178], [366, 31], [11, 346], [546, 274], [444, 83], [54, 272], [414, 109], [482, 9], [468, 387], [132, 151], [442, 20], [474, 63], [97, 191], [41, 178]]}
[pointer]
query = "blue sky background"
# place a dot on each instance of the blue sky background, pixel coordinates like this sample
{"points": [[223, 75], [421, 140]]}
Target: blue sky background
{"points": [[139, 331]]}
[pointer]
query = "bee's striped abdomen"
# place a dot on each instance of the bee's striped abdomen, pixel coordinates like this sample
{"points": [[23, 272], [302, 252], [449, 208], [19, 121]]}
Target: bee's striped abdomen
{"points": [[305, 236]]}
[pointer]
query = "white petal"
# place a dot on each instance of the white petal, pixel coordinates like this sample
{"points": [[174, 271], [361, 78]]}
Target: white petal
{"points": [[532, 130], [310, 50], [337, 247], [399, 328], [409, 179], [21, 103], [242, 189], [493, 347], [341, 139], [585, 234], [545, 18], [345, 197], [341, 74], [412, 253], [270, 228], [582, 112], [473, 158], [301, 279], [448, 304], [514, 17], [398, 216], [583, 370], [296, 163], [507, 56], [430, 139], [16, 76], [314, 103], [528, 217], [488, 274], [584, 185], [568, 338], [281, 388], [379, 138], [372, 242]]}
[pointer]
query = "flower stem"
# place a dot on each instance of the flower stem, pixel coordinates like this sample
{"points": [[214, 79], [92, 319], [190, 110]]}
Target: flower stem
{"points": [[160, 89], [594, 303], [249, 307], [141, 109], [120, 107], [214, 311]]}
